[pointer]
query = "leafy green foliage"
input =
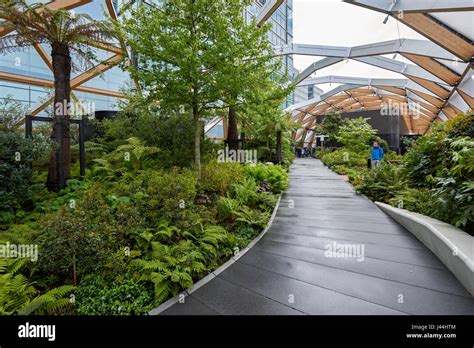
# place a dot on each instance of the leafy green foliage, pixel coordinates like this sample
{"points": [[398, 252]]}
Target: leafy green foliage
{"points": [[275, 175], [382, 184], [16, 177], [331, 125], [172, 268], [218, 177], [253, 217], [355, 133], [76, 241], [96, 296], [19, 296], [419, 200]]}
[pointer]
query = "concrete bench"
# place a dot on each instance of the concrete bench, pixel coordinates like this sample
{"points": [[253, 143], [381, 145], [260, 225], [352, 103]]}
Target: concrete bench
{"points": [[453, 247]]}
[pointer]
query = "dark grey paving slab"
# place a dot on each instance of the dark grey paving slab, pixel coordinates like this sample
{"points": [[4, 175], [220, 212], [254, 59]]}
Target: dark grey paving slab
{"points": [[377, 251], [431, 278], [415, 300], [289, 272], [303, 296], [346, 225], [403, 241], [227, 298]]}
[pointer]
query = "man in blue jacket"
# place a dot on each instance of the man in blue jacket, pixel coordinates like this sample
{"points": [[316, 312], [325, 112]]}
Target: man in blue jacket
{"points": [[376, 155]]}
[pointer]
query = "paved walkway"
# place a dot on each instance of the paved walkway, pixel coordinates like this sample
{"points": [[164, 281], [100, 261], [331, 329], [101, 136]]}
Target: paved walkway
{"points": [[289, 272]]}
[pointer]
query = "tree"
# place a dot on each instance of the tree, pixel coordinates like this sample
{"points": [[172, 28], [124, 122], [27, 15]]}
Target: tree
{"points": [[192, 56], [264, 114], [331, 125], [355, 133], [67, 34]]}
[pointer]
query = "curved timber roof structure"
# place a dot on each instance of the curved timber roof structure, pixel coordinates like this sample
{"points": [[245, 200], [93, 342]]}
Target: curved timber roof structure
{"points": [[436, 85]]}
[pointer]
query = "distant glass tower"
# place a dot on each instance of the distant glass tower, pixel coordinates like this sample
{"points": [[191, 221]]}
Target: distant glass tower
{"points": [[281, 33]]}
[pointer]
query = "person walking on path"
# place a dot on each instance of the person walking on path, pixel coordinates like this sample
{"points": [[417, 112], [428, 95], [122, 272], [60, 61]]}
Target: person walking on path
{"points": [[376, 155]]}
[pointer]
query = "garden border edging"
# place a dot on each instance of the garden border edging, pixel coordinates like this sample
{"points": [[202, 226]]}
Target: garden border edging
{"points": [[167, 304], [442, 239]]}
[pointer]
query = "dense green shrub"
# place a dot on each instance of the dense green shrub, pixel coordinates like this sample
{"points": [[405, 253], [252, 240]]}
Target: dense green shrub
{"points": [[172, 268], [418, 200], [454, 189], [382, 184], [127, 296], [79, 238], [17, 186], [245, 192], [422, 162], [218, 177], [355, 133], [275, 175], [171, 133], [345, 157]]}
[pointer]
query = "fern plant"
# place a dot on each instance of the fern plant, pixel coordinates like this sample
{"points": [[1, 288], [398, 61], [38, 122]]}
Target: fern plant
{"points": [[245, 192], [19, 296], [228, 208], [251, 217], [140, 153], [209, 240], [172, 268]]}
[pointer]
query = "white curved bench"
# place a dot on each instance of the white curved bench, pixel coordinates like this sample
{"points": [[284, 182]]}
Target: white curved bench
{"points": [[453, 247]]}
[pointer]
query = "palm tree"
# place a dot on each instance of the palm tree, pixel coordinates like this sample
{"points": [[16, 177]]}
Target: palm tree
{"points": [[67, 34]]}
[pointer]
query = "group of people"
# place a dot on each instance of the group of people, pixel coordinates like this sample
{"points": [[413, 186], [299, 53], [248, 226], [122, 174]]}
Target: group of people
{"points": [[302, 152]]}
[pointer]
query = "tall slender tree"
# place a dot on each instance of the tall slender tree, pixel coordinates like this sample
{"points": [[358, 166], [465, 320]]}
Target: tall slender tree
{"points": [[68, 34], [265, 111], [193, 56]]}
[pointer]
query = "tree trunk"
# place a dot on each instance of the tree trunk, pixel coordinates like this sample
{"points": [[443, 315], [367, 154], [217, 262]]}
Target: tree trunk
{"points": [[59, 168], [197, 142], [278, 147], [232, 131]]}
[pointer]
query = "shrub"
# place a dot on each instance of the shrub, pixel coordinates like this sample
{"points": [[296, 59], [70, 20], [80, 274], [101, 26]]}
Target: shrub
{"points": [[275, 175], [218, 177], [245, 192], [160, 195], [95, 296], [77, 241], [454, 188], [425, 158], [416, 200], [227, 208], [355, 133], [382, 184], [346, 157], [16, 177]]}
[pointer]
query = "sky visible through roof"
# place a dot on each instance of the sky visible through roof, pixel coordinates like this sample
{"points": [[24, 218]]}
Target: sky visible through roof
{"points": [[335, 23]]}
